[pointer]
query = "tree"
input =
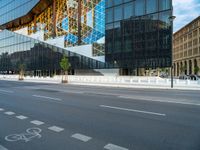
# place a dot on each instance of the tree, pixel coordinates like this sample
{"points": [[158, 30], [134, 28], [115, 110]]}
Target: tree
{"points": [[196, 70], [21, 71], [182, 69], [65, 65]]}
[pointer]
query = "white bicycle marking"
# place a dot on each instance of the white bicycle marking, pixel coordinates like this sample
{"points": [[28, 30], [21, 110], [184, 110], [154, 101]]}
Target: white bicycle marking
{"points": [[30, 134]]}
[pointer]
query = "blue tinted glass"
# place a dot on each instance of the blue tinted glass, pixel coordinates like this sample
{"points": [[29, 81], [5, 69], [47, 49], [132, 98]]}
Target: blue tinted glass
{"points": [[118, 13], [164, 17], [13, 9], [127, 1], [109, 15], [139, 7], [109, 3], [116, 2], [152, 6], [164, 4], [128, 10]]}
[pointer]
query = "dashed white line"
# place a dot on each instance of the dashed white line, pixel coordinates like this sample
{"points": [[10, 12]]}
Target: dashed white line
{"points": [[133, 110], [56, 129], [46, 97], [3, 148], [9, 113], [37, 122], [114, 147], [74, 92], [81, 137], [21, 117], [1, 109]]}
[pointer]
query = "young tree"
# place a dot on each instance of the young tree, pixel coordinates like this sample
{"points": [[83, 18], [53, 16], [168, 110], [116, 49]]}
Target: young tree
{"points": [[196, 70], [65, 65], [21, 71], [182, 69]]}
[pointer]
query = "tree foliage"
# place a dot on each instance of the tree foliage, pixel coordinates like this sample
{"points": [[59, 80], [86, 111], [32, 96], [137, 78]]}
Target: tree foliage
{"points": [[196, 69], [64, 63]]}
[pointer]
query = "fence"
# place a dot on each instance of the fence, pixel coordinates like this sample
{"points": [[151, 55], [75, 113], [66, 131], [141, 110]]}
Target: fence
{"points": [[129, 80]]}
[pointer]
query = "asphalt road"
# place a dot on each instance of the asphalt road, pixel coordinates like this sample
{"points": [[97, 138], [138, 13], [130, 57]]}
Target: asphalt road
{"points": [[37, 116]]}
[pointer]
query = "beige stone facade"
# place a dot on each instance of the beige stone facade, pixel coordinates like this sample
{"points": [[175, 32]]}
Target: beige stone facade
{"points": [[186, 49]]}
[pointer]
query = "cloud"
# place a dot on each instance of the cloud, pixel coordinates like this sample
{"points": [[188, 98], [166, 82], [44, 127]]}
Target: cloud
{"points": [[185, 11]]}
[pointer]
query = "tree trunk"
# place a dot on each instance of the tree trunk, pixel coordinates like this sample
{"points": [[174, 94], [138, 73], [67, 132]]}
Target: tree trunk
{"points": [[64, 77]]}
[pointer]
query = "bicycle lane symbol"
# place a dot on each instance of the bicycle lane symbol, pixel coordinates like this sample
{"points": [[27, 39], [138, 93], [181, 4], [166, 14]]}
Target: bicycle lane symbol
{"points": [[30, 134]]}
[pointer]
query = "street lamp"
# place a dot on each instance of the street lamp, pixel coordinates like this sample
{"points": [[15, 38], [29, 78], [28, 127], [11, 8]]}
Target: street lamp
{"points": [[171, 19]]}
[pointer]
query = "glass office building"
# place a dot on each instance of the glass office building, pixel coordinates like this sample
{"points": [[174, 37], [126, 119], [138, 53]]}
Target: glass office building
{"points": [[138, 33], [129, 34]]}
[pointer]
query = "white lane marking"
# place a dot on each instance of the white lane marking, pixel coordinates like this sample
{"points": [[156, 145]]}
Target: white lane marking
{"points": [[74, 92], [56, 129], [101, 93], [1, 109], [9, 113], [46, 97], [21, 117], [81, 137], [37, 122], [6, 91], [133, 110], [114, 147], [3, 148], [156, 100]]}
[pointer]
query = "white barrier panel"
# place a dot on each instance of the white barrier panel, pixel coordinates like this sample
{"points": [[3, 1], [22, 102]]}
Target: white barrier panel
{"points": [[128, 80]]}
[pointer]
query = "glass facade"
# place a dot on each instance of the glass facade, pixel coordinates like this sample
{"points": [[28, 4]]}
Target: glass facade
{"points": [[16, 49], [138, 33], [81, 22], [130, 33], [13, 9]]}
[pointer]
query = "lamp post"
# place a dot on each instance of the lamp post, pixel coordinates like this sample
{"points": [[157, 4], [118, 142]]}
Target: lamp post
{"points": [[171, 19]]}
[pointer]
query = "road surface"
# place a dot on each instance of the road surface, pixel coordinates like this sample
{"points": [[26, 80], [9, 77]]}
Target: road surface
{"points": [[36, 116]]}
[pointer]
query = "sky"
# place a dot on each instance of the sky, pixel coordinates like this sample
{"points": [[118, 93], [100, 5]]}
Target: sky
{"points": [[185, 11]]}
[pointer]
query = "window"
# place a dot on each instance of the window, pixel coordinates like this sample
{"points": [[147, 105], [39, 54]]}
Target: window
{"points": [[118, 13], [190, 35], [139, 7], [109, 3], [164, 18], [195, 33], [185, 46], [190, 44], [117, 37], [185, 38], [195, 42], [117, 2], [152, 6], [164, 4], [109, 15], [128, 10]]}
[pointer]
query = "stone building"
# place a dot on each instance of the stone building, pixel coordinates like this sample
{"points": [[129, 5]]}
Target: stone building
{"points": [[186, 49]]}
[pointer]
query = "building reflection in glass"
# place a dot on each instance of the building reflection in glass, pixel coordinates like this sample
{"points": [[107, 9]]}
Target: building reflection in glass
{"points": [[16, 49]]}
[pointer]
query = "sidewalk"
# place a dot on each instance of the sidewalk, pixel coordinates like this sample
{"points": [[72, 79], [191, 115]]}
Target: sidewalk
{"points": [[121, 82]]}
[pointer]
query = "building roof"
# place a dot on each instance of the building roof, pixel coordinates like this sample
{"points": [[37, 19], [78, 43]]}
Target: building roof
{"points": [[198, 18]]}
